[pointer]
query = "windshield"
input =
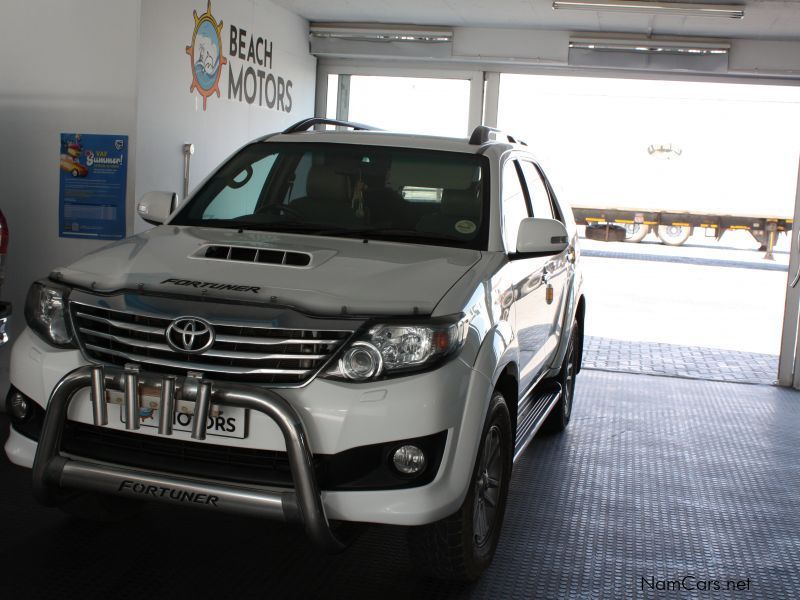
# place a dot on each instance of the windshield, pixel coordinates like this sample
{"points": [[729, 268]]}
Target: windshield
{"points": [[398, 194]]}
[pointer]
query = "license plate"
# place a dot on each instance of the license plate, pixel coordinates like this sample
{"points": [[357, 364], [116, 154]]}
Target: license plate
{"points": [[223, 421]]}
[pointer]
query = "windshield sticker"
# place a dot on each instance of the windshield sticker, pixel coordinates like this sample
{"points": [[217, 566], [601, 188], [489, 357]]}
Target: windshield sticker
{"points": [[465, 226]]}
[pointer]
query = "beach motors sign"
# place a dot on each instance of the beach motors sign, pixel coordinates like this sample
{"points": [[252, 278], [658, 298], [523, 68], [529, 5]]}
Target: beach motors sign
{"points": [[244, 75]]}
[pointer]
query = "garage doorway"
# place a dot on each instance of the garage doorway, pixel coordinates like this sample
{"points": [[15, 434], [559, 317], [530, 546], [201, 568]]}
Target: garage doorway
{"points": [[708, 308]]}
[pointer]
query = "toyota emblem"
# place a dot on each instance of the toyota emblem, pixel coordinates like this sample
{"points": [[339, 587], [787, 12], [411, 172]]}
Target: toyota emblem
{"points": [[190, 334]]}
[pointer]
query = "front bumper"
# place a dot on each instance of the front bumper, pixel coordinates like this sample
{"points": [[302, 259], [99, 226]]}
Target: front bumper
{"points": [[337, 417]]}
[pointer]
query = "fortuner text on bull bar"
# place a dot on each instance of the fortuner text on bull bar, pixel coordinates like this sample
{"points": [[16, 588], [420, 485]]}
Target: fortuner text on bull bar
{"points": [[52, 471]]}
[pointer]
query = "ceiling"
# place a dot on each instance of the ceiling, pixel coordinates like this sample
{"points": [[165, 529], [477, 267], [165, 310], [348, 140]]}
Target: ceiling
{"points": [[764, 19]]}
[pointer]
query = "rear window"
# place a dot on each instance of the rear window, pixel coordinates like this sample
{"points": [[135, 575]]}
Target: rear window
{"points": [[408, 195]]}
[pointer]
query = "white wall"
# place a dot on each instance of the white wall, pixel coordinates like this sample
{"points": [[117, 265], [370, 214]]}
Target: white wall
{"points": [[66, 65], [169, 115]]}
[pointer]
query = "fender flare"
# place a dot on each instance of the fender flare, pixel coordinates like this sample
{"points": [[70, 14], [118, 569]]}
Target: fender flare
{"points": [[498, 349], [496, 352]]}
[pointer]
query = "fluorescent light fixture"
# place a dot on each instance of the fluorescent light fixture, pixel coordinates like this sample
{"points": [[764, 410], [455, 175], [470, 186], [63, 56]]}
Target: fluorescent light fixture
{"points": [[380, 32], [664, 54], [651, 46], [683, 9]]}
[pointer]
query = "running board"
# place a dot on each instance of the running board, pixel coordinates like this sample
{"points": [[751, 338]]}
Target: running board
{"points": [[532, 412]]}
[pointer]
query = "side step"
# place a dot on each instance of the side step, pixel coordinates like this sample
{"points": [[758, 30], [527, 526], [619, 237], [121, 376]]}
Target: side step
{"points": [[532, 412]]}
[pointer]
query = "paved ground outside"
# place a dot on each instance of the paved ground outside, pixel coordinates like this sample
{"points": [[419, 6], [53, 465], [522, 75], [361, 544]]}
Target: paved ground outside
{"points": [[704, 294], [673, 360]]}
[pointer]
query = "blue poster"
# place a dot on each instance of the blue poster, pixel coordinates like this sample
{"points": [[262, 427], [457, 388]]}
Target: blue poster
{"points": [[94, 170]]}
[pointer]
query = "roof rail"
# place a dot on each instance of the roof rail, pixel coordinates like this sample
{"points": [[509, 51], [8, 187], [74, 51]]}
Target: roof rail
{"points": [[483, 134], [307, 124]]}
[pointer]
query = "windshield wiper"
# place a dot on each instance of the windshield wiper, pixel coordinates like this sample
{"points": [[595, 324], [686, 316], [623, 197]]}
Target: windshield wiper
{"points": [[346, 232], [382, 233], [250, 225], [385, 233]]}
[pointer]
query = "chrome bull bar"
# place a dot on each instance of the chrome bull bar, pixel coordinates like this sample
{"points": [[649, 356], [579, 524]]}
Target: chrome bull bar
{"points": [[52, 472]]}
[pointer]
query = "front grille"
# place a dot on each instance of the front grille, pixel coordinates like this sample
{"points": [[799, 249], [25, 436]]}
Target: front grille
{"points": [[247, 354]]}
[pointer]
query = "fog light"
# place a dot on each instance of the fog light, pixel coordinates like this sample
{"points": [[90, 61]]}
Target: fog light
{"points": [[361, 361], [409, 460], [18, 406]]}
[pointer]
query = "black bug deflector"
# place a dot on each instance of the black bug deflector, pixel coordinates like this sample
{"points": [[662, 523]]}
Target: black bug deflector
{"points": [[54, 475]]}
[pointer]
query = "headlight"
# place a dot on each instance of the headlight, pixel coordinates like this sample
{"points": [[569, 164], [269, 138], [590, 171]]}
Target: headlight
{"points": [[391, 348], [46, 313], [360, 361]]}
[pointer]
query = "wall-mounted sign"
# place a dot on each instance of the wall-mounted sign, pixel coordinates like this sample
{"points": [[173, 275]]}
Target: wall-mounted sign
{"points": [[249, 74], [92, 186], [205, 54]]}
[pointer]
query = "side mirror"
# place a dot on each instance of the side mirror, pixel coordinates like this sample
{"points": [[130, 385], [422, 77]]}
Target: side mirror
{"points": [[541, 237], [155, 207]]}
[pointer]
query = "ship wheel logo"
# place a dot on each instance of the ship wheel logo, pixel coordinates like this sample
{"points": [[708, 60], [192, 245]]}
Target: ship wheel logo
{"points": [[205, 54]]}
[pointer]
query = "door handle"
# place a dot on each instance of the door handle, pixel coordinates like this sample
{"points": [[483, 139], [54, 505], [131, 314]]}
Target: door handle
{"points": [[796, 278]]}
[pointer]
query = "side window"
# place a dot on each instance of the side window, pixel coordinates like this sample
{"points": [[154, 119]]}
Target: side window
{"points": [[515, 208], [540, 199], [558, 207], [240, 195]]}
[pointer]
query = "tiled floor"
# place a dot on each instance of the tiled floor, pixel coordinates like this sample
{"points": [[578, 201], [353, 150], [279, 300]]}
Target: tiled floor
{"points": [[655, 477], [679, 361]]}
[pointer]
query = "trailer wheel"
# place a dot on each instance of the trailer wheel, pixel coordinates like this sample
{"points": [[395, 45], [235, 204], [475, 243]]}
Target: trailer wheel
{"points": [[673, 235], [636, 232]]}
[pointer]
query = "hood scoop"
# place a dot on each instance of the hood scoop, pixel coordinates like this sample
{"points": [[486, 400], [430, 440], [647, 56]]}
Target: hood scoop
{"points": [[288, 258]]}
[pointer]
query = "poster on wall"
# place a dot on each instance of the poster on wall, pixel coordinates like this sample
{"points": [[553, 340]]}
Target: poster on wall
{"points": [[93, 181]]}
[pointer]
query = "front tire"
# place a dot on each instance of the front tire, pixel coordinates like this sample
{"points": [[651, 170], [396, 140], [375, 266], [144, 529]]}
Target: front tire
{"points": [[461, 546]]}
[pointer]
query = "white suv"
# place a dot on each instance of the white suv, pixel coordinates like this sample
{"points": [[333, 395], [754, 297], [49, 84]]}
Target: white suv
{"points": [[347, 325]]}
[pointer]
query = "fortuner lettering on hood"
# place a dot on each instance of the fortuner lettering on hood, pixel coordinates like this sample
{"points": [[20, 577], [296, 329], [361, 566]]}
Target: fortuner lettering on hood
{"points": [[213, 286], [382, 321]]}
